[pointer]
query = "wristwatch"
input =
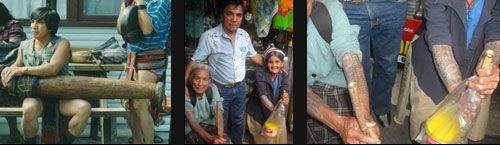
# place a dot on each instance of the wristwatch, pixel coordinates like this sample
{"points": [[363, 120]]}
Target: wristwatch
{"points": [[141, 7]]}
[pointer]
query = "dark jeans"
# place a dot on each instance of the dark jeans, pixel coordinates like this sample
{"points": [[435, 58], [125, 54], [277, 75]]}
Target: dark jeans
{"points": [[381, 21], [234, 101]]}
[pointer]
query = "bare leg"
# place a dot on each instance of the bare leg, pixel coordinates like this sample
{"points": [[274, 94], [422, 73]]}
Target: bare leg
{"points": [[80, 110], [135, 127], [141, 106], [32, 109]]}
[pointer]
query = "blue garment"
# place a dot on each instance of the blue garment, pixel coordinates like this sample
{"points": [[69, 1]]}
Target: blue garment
{"points": [[226, 61], [275, 85], [234, 102], [473, 17], [381, 21], [159, 10]]}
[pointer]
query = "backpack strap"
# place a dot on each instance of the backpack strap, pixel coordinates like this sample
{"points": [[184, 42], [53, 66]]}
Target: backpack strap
{"points": [[209, 94], [322, 20]]}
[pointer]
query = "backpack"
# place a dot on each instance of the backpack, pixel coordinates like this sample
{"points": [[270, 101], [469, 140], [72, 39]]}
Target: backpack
{"points": [[110, 52], [130, 29], [194, 99], [322, 20]]}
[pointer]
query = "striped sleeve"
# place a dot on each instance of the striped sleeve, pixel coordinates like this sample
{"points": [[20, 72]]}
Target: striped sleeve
{"points": [[160, 15], [16, 33]]}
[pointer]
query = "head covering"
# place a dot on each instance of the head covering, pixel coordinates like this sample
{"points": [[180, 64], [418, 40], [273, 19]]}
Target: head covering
{"points": [[271, 48]]}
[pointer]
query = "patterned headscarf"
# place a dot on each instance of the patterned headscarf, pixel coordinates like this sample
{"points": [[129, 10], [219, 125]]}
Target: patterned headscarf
{"points": [[270, 49]]}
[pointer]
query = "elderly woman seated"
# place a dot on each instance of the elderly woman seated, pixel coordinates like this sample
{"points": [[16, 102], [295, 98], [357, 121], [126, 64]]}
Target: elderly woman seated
{"points": [[200, 109]]}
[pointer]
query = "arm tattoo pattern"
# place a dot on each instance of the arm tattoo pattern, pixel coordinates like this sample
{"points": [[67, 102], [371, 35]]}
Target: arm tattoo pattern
{"points": [[446, 65], [352, 68], [267, 103]]}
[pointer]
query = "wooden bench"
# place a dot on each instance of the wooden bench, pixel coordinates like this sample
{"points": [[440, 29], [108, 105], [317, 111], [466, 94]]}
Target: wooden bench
{"points": [[108, 119], [106, 116]]}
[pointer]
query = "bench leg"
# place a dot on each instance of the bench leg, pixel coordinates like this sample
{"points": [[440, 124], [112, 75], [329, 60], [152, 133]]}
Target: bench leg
{"points": [[94, 123], [94, 128], [108, 128], [112, 125]]}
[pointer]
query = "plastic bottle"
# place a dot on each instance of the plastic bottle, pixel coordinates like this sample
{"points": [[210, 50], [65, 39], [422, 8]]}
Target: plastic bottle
{"points": [[449, 123], [275, 121]]}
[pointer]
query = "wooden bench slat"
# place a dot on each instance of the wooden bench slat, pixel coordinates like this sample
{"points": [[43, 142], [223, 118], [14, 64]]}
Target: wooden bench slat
{"points": [[108, 112], [96, 112], [11, 112]]}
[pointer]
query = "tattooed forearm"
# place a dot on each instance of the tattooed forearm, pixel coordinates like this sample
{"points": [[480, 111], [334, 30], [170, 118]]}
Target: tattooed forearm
{"points": [[353, 71], [313, 103], [446, 66], [267, 103], [196, 127], [317, 109], [495, 46]]}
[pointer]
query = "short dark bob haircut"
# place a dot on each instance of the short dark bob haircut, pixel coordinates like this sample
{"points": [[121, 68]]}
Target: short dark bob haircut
{"points": [[49, 16]]}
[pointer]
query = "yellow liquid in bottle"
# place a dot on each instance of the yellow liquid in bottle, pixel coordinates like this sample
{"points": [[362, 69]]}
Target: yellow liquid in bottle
{"points": [[271, 129], [444, 126]]}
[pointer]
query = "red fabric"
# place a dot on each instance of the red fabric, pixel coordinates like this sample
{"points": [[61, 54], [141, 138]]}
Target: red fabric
{"points": [[15, 31]]}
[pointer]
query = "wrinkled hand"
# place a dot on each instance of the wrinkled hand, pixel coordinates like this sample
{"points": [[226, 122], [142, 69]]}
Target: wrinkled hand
{"points": [[9, 72], [351, 133], [216, 140], [284, 98], [486, 81]]}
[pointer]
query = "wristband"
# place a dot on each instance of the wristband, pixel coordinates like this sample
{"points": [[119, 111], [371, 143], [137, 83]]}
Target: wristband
{"points": [[141, 7]]}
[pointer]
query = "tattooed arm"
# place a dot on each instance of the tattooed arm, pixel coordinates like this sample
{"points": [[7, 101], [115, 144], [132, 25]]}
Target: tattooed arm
{"points": [[196, 127], [352, 66], [347, 127], [267, 103], [446, 66], [317, 109]]}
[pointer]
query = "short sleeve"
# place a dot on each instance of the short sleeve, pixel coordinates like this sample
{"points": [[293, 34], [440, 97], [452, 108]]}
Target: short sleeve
{"points": [[344, 35], [160, 15], [251, 51], [203, 49]]}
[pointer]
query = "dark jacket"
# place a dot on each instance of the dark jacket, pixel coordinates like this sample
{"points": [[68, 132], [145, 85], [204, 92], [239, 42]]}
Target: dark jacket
{"points": [[446, 24], [264, 86]]}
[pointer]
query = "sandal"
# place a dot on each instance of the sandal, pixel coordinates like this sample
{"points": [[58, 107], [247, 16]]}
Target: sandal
{"points": [[158, 139]]}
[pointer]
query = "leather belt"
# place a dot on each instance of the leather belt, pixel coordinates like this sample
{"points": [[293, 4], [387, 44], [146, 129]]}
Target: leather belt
{"points": [[355, 1], [228, 85]]}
